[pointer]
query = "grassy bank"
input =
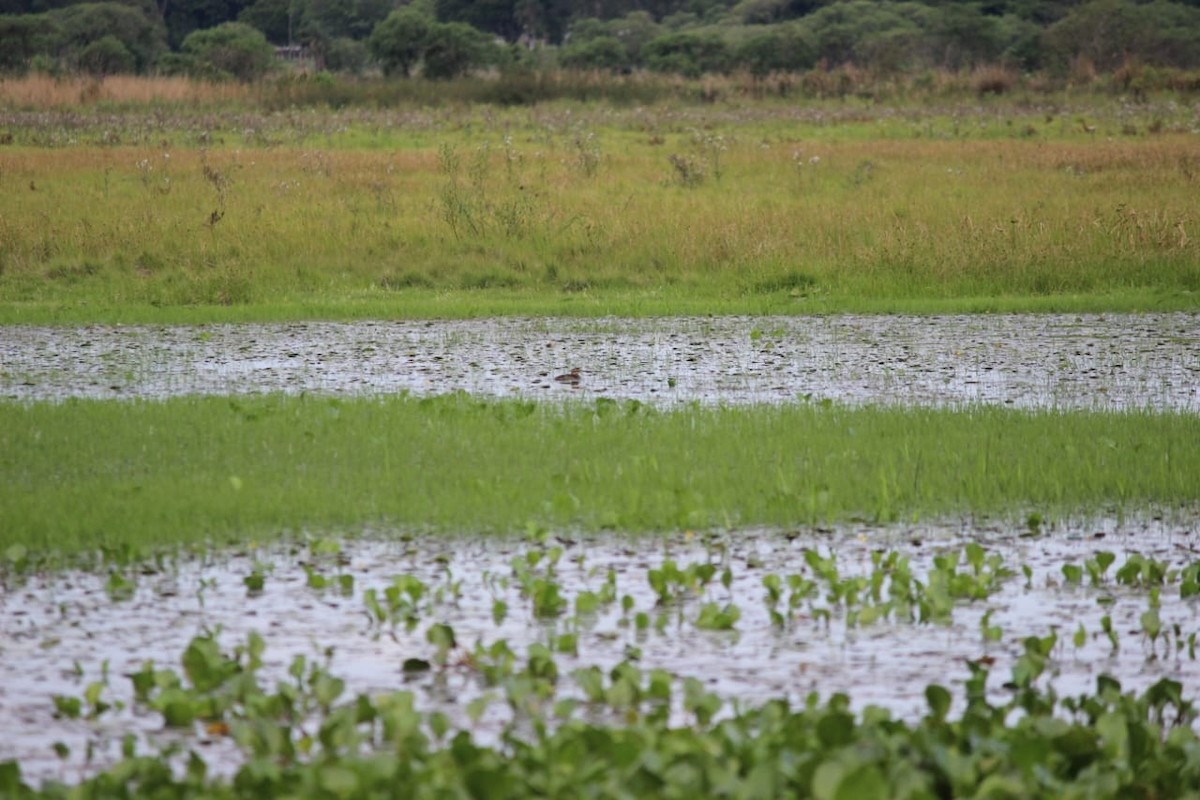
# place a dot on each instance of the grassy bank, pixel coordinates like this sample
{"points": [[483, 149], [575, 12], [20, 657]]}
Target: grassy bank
{"points": [[82, 474], [593, 210]]}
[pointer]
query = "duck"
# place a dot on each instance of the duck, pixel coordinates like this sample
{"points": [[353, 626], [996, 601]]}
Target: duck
{"points": [[573, 377]]}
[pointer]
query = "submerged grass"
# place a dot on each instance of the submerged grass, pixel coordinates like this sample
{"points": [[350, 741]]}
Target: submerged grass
{"points": [[82, 474]]}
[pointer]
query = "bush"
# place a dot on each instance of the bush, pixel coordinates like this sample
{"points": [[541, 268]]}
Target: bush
{"points": [[272, 17], [689, 54], [24, 36], [398, 43], [454, 48], [601, 53], [106, 56], [781, 48], [346, 55], [81, 25], [232, 49]]}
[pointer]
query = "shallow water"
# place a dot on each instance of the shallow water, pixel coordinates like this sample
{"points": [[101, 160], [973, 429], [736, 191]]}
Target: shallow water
{"points": [[1027, 361], [57, 630]]}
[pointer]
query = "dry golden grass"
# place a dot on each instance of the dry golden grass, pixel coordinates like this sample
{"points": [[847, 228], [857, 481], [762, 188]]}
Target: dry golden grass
{"points": [[238, 224], [37, 91]]}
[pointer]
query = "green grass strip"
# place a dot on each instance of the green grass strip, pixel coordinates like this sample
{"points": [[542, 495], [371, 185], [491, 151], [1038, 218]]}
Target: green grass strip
{"points": [[83, 474], [470, 304]]}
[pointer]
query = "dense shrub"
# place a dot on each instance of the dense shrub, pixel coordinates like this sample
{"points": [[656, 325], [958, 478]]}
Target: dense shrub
{"points": [[602, 53], [779, 48], [22, 37], [232, 49], [689, 54], [106, 56], [453, 49], [398, 43], [141, 35]]}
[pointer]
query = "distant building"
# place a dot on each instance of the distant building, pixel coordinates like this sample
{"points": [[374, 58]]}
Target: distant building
{"points": [[292, 52]]}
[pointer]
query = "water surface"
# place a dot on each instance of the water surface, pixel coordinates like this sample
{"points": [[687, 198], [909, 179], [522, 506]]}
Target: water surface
{"points": [[56, 631], [1026, 361]]}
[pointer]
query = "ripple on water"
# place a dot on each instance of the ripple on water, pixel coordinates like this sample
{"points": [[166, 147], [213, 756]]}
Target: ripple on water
{"points": [[57, 630], [1026, 361]]}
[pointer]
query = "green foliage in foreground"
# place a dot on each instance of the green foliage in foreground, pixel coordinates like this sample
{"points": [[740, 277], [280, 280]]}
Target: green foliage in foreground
{"points": [[81, 474], [300, 741]]}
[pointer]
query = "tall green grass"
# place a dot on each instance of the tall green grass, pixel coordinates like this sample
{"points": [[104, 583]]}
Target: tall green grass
{"points": [[574, 211], [83, 474]]}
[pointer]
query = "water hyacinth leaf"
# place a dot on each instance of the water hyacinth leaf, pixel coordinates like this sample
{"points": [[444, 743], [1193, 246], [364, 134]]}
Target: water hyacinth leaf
{"points": [[863, 783], [10, 778], [441, 636], [69, 707], [315, 579], [938, 698], [205, 666], [477, 707], [179, 708], [718, 618], [118, 587], [414, 665], [338, 781], [835, 729], [1151, 625], [975, 554], [541, 664], [91, 696], [326, 689], [591, 682], [197, 769], [439, 725], [254, 583], [586, 602], [1189, 580], [699, 702]]}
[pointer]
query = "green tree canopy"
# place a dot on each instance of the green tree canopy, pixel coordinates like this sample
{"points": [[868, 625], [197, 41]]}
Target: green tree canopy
{"points": [[106, 56], [687, 53], [24, 36], [231, 49], [600, 53], [1111, 32], [454, 48], [143, 36], [275, 18], [398, 43], [777, 48]]}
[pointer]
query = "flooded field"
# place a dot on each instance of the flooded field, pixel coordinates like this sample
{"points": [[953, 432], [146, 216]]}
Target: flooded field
{"points": [[876, 611], [694, 605], [1027, 361]]}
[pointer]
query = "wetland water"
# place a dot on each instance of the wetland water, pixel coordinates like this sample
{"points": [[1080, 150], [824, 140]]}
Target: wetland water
{"points": [[57, 630], [1026, 361]]}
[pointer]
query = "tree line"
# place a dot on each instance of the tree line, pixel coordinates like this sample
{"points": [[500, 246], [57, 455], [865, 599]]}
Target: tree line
{"points": [[445, 38]]}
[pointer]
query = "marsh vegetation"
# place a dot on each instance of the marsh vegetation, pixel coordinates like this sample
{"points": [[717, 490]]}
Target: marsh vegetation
{"points": [[595, 210], [387, 586]]}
